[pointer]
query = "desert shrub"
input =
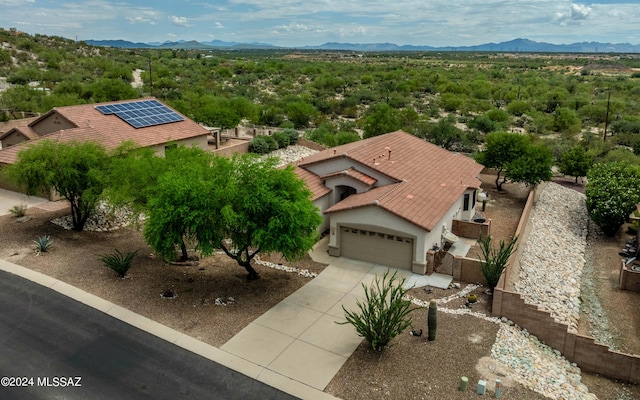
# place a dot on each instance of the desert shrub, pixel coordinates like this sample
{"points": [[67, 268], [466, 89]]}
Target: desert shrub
{"points": [[383, 314], [343, 137], [19, 210], [263, 145], [43, 244], [282, 139], [495, 259], [118, 262], [518, 107], [293, 135], [612, 193]]}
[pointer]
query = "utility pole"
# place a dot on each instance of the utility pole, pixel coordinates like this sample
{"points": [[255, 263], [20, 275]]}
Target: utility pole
{"points": [[150, 76], [606, 119]]}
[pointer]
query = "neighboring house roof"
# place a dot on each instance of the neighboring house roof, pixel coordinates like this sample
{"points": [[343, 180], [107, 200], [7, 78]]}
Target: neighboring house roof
{"points": [[25, 130], [429, 179], [13, 123], [108, 130]]}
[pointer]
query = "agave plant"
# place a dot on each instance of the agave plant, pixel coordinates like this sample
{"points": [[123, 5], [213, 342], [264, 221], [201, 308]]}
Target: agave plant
{"points": [[118, 262], [19, 210], [43, 244]]}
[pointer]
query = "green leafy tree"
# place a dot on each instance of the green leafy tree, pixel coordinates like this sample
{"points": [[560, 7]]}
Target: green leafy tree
{"points": [[502, 148], [444, 133], [575, 162], [381, 119], [383, 314], [106, 89], [75, 170], [218, 112], [621, 154], [532, 167], [565, 120], [612, 192], [518, 107], [133, 175], [240, 205], [263, 209], [300, 113], [179, 211]]}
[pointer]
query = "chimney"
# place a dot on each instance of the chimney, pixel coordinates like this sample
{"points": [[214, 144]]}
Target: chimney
{"points": [[334, 152]]}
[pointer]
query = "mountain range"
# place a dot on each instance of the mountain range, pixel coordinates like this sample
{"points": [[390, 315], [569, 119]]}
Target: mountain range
{"points": [[516, 45]]}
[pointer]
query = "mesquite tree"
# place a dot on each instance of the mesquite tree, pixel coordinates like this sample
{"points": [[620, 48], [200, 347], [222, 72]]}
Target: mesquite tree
{"points": [[75, 170]]}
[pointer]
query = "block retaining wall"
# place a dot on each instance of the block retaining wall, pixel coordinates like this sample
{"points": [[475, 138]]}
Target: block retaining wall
{"points": [[583, 350]]}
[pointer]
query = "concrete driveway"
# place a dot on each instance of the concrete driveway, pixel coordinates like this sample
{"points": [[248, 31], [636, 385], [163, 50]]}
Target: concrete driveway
{"points": [[300, 337], [8, 199]]}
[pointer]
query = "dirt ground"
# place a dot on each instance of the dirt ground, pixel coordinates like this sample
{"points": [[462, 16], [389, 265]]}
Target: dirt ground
{"points": [[73, 259], [412, 369], [417, 369]]}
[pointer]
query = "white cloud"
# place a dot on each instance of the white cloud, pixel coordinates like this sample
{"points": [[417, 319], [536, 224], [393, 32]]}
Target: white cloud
{"points": [[179, 21], [573, 14], [298, 22], [140, 20], [15, 2], [579, 11], [291, 28]]}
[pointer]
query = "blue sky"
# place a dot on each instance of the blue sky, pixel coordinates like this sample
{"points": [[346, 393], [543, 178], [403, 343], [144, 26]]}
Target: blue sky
{"points": [[313, 22]]}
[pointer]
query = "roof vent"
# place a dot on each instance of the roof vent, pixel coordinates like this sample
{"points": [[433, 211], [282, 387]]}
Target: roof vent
{"points": [[334, 152], [376, 202]]}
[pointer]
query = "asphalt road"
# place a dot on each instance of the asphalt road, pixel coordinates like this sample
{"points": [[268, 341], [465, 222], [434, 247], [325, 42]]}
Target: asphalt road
{"points": [[44, 335]]}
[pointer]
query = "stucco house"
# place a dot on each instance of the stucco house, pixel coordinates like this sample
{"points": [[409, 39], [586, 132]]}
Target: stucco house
{"points": [[390, 198], [147, 122]]}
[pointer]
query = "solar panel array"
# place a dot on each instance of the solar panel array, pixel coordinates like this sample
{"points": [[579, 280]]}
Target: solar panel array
{"points": [[141, 114]]}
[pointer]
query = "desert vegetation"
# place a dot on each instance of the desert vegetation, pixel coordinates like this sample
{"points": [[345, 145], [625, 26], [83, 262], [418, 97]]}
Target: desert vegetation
{"points": [[575, 109]]}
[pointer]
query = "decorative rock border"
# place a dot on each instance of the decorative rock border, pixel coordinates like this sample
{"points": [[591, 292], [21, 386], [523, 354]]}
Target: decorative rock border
{"points": [[552, 261]]}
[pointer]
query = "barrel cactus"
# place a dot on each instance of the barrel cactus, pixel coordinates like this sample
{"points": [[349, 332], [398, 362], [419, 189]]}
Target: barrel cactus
{"points": [[432, 319]]}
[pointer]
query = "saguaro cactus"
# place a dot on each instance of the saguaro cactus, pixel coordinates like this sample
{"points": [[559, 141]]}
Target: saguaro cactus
{"points": [[432, 319]]}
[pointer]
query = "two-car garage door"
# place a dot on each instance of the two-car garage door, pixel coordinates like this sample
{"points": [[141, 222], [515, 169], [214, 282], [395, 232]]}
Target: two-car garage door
{"points": [[380, 248]]}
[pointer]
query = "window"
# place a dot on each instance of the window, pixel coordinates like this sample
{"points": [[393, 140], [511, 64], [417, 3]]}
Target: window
{"points": [[466, 201], [473, 199]]}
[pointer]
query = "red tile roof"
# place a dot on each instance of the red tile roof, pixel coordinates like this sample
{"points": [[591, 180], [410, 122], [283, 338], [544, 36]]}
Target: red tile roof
{"points": [[429, 178], [9, 125], [25, 130], [108, 130], [313, 181], [355, 174]]}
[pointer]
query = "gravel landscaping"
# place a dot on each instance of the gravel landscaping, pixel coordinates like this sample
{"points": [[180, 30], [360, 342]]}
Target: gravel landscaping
{"points": [[214, 302], [551, 264]]}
